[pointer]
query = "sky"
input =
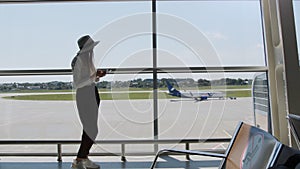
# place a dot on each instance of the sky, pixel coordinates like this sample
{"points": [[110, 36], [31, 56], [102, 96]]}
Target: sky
{"points": [[203, 33]]}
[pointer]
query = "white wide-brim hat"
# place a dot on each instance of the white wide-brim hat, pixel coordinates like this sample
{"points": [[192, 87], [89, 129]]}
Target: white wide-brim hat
{"points": [[86, 43]]}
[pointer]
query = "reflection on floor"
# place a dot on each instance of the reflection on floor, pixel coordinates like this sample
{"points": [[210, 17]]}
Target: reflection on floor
{"points": [[165, 162]]}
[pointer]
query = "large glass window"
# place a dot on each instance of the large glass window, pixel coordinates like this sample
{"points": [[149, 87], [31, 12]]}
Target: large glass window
{"points": [[195, 41], [209, 33], [198, 106], [44, 35]]}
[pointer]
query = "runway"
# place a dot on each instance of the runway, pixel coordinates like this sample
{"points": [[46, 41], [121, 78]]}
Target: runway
{"points": [[177, 119], [123, 119]]}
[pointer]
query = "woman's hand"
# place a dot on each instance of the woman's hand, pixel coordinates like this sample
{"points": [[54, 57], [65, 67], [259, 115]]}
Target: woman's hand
{"points": [[100, 73]]}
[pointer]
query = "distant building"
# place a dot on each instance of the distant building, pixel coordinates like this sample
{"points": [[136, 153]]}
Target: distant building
{"points": [[33, 87]]}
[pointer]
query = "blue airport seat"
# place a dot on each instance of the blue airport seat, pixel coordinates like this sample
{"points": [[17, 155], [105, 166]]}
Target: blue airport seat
{"points": [[250, 147]]}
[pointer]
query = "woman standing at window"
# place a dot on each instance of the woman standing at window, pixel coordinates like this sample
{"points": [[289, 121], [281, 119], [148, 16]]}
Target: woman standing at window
{"points": [[87, 99]]}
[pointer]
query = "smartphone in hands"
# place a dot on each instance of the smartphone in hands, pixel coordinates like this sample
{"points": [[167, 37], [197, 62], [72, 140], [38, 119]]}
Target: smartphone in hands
{"points": [[100, 73]]}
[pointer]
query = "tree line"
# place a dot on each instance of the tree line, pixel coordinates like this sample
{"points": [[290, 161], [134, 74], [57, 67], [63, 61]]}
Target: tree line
{"points": [[179, 82], [136, 83]]}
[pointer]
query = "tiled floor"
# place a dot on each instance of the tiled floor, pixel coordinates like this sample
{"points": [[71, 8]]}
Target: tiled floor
{"points": [[113, 163]]}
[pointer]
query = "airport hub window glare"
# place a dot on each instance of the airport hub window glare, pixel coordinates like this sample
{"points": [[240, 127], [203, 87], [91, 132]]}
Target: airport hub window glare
{"points": [[191, 100]]}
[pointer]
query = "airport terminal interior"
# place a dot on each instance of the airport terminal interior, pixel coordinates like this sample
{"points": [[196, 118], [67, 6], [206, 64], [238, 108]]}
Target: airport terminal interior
{"points": [[193, 84]]}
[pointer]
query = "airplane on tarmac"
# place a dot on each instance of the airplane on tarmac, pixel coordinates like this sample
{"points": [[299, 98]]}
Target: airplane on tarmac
{"points": [[198, 96]]}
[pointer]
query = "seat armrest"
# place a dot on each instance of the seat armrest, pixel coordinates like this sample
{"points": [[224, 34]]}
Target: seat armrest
{"points": [[188, 152]]}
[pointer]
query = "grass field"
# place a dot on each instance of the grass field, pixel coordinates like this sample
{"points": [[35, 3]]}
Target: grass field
{"points": [[119, 95]]}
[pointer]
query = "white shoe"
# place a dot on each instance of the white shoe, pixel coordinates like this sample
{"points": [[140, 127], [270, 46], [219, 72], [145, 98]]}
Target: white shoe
{"points": [[77, 165], [84, 164]]}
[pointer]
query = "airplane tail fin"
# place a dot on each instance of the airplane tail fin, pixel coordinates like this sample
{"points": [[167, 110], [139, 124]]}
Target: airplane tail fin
{"points": [[172, 90], [170, 87]]}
